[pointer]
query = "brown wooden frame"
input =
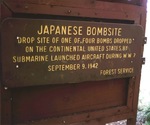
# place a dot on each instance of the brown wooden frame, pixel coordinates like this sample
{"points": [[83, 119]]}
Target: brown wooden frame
{"points": [[134, 13]]}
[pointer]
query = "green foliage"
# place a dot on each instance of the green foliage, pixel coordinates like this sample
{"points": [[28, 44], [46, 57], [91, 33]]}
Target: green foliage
{"points": [[147, 123], [147, 112]]}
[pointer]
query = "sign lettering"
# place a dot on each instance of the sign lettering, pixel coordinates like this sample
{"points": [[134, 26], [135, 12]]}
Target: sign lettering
{"points": [[58, 51]]}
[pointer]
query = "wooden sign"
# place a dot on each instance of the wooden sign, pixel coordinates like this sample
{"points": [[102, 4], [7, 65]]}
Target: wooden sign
{"points": [[39, 52]]}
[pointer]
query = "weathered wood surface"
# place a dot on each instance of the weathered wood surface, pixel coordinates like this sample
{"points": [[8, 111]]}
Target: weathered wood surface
{"points": [[78, 8], [84, 8], [85, 103]]}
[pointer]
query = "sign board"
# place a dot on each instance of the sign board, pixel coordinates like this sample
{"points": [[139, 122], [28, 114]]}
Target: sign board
{"points": [[39, 52]]}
